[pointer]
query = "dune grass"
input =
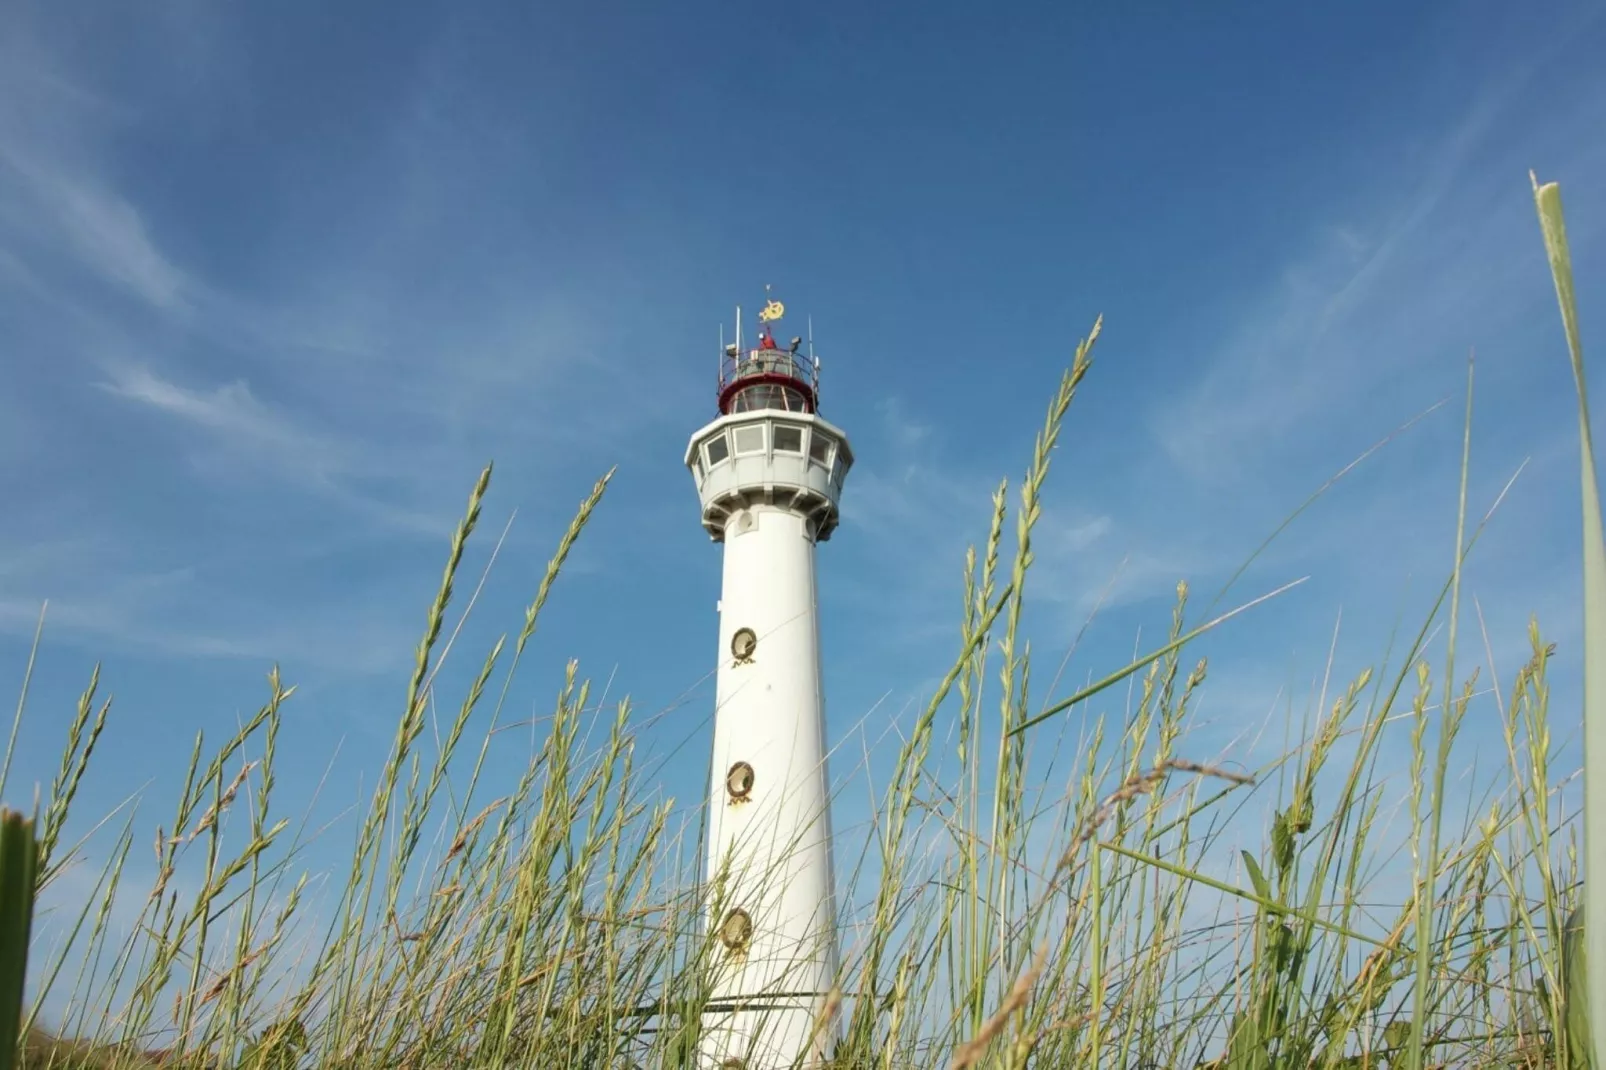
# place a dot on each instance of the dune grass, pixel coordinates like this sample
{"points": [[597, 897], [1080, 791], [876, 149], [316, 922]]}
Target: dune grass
{"points": [[19, 857], [1156, 907], [1587, 990]]}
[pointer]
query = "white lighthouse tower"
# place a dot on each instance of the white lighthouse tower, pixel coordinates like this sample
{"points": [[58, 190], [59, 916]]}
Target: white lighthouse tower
{"points": [[769, 472]]}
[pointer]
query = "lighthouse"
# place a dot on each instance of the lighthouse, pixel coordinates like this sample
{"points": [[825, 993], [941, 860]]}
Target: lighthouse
{"points": [[769, 473]]}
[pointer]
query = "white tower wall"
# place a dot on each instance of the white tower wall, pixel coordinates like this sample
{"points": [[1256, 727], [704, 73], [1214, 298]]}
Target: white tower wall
{"points": [[776, 841], [769, 482]]}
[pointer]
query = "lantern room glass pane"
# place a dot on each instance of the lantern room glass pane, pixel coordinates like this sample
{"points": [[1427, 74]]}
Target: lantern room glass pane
{"points": [[766, 396], [788, 439]]}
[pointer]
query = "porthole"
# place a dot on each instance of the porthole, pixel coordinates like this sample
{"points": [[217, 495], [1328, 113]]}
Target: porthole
{"points": [[739, 782], [743, 643], [736, 930]]}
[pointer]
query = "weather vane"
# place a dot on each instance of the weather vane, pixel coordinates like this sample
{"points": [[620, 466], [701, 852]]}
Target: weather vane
{"points": [[773, 310]]}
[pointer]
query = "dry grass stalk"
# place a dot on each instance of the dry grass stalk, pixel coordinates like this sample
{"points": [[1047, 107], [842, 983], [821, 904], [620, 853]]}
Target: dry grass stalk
{"points": [[971, 1051]]}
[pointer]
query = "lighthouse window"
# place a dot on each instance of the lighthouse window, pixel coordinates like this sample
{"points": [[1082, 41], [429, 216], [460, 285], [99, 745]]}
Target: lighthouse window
{"points": [[718, 449], [820, 450], [750, 439], [788, 439]]}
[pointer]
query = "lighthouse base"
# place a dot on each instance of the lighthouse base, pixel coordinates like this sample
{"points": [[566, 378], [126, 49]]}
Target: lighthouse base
{"points": [[796, 1031]]}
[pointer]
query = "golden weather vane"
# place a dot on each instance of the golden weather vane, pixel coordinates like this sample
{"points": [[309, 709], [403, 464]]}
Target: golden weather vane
{"points": [[773, 310]]}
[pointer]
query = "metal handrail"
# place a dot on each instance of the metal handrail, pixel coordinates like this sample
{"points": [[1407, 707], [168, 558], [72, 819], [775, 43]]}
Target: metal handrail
{"points": [[770, 362]]}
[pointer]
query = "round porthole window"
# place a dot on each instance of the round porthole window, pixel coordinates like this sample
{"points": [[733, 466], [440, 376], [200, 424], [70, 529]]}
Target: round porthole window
{"points": [[743, 643], [739, 781], [736, 930]]}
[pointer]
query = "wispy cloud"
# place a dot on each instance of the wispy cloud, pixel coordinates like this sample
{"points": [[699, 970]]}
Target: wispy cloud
{"points": [[106, 232], [229, 410], [92, 593], [904, 431], [53, 201], [1372, 306]]}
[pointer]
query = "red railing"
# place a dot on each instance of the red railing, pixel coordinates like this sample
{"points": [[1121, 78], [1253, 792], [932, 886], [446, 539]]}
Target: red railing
{"points": [[782, 368]]}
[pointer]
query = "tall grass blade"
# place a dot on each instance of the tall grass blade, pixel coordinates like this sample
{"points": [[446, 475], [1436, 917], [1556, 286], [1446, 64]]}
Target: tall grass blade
{"points": [[19, 861], [1426, 900], [1547, 199]]}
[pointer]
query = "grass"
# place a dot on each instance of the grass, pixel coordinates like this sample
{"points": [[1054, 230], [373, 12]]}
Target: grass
{"points": [[993, 918], [18, 858], [1588, 991]]}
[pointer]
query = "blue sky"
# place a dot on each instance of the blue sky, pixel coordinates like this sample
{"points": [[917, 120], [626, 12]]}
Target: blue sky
{"points": [[275, 281]]}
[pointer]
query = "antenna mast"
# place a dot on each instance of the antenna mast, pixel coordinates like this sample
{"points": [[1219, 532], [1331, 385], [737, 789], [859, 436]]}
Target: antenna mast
{"points": [[816, 362]]}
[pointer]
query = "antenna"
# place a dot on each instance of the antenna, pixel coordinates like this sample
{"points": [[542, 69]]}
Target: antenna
{"points": [[816, 361], [722, 354], [738, 329]]}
